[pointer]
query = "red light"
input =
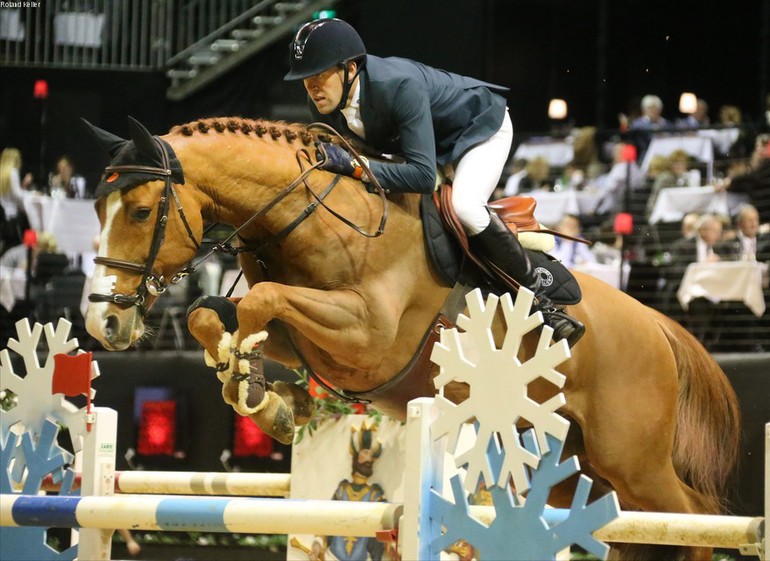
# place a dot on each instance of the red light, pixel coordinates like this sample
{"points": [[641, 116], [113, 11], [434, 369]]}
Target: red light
{"points": [[40, 90], [624, 223], [628, 153], [30, 238], [157, 428], [250, 440]]}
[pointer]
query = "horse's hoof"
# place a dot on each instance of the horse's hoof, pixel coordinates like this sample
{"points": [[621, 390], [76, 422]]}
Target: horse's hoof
{"points": [[298, 399], [276, 419]]}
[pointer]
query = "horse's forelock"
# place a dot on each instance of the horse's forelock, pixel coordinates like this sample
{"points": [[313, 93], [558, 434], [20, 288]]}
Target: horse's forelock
{"points": [[279, 131]]}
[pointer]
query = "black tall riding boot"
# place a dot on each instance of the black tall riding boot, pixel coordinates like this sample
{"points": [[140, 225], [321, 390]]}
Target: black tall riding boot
{"points": [[498, 244]]}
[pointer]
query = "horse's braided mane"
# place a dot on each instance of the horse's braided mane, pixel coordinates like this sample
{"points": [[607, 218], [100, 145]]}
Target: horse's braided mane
{"points": [[277, 130]]}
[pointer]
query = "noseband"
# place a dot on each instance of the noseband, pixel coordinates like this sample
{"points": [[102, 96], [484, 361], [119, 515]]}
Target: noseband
{"points": [[152, 283]]}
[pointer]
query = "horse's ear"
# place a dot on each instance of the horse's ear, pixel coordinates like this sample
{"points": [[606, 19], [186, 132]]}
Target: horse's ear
{"points": [[110, 142], [142, 139]]}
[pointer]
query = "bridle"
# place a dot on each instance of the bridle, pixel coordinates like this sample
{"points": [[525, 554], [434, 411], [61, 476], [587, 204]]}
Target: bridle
{"points": [[155, 284], [151, 283]]}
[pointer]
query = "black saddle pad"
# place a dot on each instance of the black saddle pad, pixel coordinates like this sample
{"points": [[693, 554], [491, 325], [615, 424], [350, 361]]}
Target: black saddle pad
{"points": [[560, 285], [444, 251], [447, 258]]}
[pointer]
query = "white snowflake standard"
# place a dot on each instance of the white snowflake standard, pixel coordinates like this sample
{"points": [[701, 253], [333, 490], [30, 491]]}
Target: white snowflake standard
{"points": [[498, 387], [35, 401]]}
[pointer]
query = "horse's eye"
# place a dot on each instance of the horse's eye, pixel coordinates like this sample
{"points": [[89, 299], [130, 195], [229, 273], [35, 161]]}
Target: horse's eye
{"points": [[141, 214]]}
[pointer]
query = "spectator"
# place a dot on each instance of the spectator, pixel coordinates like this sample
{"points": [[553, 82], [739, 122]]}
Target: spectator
{"points": [[537, 177], [701, 248], [13, 221], [65, 183], [652, 115], [571, 253], [688, 225], [747, 241], [698, 119], [730, 116], [613, 183], [678, 175], [755, 181], [651, 120], [518, 172]]}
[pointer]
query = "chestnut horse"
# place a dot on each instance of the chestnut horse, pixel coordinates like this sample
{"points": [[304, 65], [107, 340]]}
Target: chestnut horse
{"points": [[653, 416]]}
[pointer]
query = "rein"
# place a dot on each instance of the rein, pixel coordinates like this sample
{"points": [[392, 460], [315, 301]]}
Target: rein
{"points": [[155, 284]]}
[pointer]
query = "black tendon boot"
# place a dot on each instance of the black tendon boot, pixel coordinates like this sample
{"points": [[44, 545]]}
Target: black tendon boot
{"points": [[498, 244]]}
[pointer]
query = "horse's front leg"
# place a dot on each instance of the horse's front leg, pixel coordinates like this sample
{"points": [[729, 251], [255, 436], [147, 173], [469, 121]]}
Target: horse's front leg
{"points": [[352, 330], [275, 407]]}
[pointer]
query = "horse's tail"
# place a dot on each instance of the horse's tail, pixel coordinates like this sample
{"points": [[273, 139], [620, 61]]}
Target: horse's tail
{"points": [[707, 441]]}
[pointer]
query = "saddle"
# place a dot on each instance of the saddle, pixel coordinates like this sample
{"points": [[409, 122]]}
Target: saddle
{"points": [[448, 246]]}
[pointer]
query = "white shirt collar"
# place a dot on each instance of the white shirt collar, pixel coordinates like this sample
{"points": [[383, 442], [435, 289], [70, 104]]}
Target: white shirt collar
{"points": [[352, 112]]}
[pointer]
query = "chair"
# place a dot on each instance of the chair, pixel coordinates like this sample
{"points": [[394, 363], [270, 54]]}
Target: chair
{"points": [[61, 298]]}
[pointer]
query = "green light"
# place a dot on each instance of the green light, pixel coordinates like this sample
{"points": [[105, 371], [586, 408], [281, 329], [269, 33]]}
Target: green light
{"points": [[323, 14]]}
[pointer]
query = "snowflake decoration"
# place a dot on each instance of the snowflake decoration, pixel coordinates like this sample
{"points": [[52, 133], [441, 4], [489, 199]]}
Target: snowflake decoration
{"points": [[526, 529], [498, 387], [38, 459], [28, 433], [36, 403]]}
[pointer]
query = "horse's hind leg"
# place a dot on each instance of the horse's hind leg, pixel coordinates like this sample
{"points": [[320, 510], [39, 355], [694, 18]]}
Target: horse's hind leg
{"points": [[633, 451]]}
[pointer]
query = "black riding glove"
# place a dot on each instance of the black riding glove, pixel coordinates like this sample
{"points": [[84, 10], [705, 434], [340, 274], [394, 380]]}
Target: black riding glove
{"points": [[338, 160]]}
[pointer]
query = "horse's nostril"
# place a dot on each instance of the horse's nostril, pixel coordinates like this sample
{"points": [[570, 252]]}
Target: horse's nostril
{"points": [[111, 329]]}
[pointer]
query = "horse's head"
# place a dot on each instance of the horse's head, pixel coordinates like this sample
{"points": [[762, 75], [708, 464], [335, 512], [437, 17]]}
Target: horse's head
{"points": [[146, 240]]}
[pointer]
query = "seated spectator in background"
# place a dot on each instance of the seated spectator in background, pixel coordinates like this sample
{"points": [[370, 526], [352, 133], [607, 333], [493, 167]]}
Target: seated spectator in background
{"points": [[13, 221], [747, 242], [651, 120], [613, 183], [678, 175], [584, 149], [652, 115], [688, 225], [517, 172], [730, 116], [65, 183], [755, 181], [537, 177], [701, 248], [569, 252], [17, 256], [699, 119]]}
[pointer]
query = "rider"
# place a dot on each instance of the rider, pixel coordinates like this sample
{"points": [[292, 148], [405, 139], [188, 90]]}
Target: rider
{"points": [[430, 118]]}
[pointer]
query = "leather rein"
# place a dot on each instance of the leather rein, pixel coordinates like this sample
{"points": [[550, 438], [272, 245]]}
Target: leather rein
{"points": [[155, 284]]}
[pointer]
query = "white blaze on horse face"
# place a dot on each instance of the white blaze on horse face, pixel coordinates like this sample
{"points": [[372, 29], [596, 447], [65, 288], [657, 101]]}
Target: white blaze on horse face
{"points": [[101, 282]]}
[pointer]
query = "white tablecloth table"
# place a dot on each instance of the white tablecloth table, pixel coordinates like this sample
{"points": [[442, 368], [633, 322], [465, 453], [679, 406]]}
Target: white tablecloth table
{"points": [[722, 139], [606, 272], [725, 281], [700, 147], [12, 285], [674, 202], [556, 153], [552, 205]]}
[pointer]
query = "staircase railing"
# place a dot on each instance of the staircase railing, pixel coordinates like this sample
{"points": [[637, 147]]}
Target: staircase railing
{"points": [[91, 34], [193, 41]]}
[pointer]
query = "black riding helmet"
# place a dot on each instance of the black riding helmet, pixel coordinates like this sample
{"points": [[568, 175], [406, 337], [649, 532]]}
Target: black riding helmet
{"points": [[323, 44]]}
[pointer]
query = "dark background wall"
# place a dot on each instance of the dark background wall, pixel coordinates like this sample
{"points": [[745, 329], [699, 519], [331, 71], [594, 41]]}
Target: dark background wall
{"points": [[207, 422], [602, 56]]}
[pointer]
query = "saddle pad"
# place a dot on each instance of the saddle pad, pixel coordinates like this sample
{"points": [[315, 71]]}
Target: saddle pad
{"points": [[443, 251], [559, 284]]}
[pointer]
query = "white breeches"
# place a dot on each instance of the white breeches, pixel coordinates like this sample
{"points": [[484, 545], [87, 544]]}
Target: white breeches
{"points": [[476, 175]]}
